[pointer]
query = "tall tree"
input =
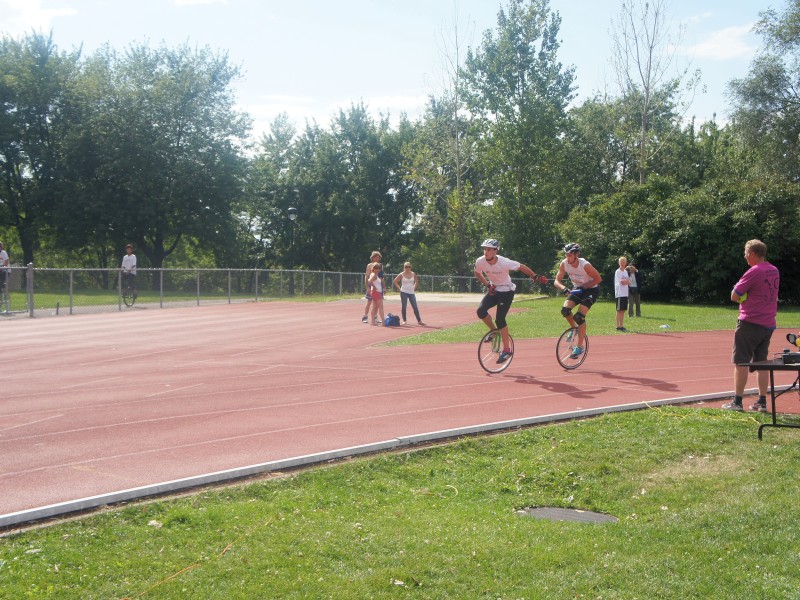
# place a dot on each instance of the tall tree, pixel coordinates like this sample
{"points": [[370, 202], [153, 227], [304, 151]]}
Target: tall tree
{"points": [[767, 101], [516, 85], [644, 60], [35, 80], [159, 153]]}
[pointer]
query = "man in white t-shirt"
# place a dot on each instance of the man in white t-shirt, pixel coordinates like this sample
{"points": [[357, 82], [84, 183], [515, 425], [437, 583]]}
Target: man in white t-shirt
{"points": [[129, 269], [491, 270], [621, 283]]}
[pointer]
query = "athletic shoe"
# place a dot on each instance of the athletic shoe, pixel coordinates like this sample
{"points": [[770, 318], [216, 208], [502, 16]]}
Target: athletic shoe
{"points": [[576, 352], [365, 319], [504, 356], [490, 335], [570, 334], [621, 329], [733, 405], [759, 406]]}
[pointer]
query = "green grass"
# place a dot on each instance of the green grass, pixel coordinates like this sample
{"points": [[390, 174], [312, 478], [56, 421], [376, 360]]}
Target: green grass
{"points": [[541, 317], [705, 511]]}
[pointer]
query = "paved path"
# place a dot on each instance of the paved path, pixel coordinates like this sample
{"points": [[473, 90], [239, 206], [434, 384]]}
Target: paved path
{"points": [[107, 407]]}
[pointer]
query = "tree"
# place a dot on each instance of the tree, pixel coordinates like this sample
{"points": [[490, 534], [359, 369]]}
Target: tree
{"points": [[515, 84], [34, 91], [157, 158], [643, 58], [767, 101]]}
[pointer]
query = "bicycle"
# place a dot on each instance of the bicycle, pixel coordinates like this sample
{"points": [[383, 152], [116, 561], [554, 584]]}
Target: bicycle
{"points": [[565, 347], [489, 349], [128, 293]]}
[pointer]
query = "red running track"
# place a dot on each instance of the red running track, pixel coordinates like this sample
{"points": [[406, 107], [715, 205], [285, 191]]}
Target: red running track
{"points": [[107, 407]]}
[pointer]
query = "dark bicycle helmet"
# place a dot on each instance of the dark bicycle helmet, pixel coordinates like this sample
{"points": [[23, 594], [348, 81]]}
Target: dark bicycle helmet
{"points": [[572, 247], [491, 243]]}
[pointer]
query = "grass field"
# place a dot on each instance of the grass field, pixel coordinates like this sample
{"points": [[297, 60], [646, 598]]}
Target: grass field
{"points": [[541, 317], [705, 510]]}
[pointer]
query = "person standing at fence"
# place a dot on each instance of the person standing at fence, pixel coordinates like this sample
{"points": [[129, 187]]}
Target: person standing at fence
{"points": [[633, 290], [129, 269], [373, 258], [621, 283], [5, 268], [757, 295], [375, 285], [406, 283]]}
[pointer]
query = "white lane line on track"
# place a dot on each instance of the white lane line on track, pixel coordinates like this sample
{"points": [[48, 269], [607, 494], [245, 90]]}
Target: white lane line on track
{"points": [[187, 387], [31, 423], [92, 382], [125, 357]]}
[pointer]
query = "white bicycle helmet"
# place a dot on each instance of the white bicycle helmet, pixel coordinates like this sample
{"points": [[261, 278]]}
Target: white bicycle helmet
{"points": [[491, 243]]}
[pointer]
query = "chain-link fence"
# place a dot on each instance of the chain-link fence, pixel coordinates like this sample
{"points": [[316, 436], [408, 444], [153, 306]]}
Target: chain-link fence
{"points": [[37, 292]]}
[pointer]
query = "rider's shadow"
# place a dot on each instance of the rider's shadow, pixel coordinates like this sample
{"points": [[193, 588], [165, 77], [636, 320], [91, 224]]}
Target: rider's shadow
{"points": [[559, 387], [657, 384]]}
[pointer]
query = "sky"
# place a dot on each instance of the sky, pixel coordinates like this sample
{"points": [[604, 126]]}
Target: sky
{"points": [[311, 58]]}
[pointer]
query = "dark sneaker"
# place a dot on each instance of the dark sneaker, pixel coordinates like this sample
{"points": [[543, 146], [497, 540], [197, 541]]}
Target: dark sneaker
{"points": [[621, 329], [491, 334], [365, 319], [504, 356], [759, 406], [571, 334], [733, 405]]}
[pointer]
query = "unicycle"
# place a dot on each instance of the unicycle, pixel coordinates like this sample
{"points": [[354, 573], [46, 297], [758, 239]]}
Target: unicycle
{"points": [[489, 349], [566, 349], [128, 293], [129, 297]]}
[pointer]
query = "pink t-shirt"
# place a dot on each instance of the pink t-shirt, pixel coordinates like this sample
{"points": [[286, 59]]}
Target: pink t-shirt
{"points": [[760, 282]]}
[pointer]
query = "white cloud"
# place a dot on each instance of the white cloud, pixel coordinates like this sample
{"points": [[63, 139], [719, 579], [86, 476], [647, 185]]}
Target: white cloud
{"points": [[725, 44], [198, 2], [19, 17]]}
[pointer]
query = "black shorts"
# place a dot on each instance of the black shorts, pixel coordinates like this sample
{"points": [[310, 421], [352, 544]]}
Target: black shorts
{"points": [[586, 297], [622, 303]]}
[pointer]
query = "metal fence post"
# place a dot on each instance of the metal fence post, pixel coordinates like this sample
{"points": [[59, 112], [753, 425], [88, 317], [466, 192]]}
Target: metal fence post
{"points": [[257, 272], [29, 288], [197, 278], [71, 281], [161, 288], [229, 286]]}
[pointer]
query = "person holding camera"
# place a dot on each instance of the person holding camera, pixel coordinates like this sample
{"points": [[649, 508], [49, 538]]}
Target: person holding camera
{"points": [[757, 295]]}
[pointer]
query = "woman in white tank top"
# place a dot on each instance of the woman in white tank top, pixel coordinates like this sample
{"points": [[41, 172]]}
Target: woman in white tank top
{"points": [[406, 283]]}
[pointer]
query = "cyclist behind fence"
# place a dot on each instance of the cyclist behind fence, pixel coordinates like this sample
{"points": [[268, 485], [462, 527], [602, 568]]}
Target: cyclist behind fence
{"points": [[584, 293], [129, 270], [491, 270]]}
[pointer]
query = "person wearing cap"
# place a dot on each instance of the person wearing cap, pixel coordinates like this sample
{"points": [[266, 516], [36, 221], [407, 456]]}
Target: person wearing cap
{"points": [[492, 270], [128, 268], [584, 293]]}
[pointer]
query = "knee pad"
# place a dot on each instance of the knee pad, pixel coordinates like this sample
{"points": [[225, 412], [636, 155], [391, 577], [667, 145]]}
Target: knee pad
{"points": [[565, 312], [580, 318]]}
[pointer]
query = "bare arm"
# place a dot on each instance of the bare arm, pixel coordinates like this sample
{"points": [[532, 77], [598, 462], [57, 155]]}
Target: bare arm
{"points": [[596, 279], [559, 282]]}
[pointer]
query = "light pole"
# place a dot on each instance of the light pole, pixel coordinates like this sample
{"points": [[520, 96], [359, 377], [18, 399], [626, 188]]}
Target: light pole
{"points": [[292, 212]]}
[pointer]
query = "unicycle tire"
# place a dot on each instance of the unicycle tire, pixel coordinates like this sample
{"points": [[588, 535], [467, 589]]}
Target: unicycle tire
{"points": [[489, 349], [565, 349]]}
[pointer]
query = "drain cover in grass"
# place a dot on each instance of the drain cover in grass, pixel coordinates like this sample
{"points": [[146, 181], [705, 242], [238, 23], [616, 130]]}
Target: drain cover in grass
{"points": [[566, 514]]}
